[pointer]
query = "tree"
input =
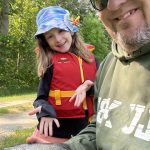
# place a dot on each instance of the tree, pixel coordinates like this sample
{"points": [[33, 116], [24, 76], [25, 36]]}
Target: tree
{"points": [[18, 63], [4, 21], [94, 33]]}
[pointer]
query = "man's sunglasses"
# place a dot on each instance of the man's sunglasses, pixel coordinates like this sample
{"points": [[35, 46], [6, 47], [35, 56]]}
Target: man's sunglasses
{"points": [[99, 4]]}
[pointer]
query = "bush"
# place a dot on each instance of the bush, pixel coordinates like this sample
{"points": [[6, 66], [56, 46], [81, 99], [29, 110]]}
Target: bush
{"points": [[94, 33]]}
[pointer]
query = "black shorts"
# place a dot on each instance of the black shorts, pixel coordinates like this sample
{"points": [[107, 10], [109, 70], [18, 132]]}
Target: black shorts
{"points": [[69, 127]]}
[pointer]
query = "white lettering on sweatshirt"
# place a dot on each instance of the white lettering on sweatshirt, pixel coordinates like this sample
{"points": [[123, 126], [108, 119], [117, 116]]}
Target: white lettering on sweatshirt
{"points": [[133, 127]]}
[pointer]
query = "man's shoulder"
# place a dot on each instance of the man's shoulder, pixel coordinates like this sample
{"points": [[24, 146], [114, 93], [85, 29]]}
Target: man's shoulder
{"points": [[109, 56], [108, 59]]}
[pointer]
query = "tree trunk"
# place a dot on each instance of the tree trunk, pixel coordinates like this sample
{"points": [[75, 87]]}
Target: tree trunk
{"points": [[4, 20]]}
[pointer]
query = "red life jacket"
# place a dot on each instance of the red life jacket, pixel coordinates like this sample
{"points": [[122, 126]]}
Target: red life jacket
{"points": [[69, 72]]}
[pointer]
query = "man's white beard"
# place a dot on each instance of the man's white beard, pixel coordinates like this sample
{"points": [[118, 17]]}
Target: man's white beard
{"points": [[134, 42]]}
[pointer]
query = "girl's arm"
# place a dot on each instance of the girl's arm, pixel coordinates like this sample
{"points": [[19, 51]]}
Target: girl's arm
{"points": [[42, 96], [45, 112], [85, 89]]}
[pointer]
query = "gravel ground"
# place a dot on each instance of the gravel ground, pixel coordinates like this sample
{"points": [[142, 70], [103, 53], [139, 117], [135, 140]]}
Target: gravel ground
{"points": [[10, 122]]}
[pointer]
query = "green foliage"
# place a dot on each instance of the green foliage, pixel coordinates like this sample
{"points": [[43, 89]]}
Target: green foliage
{"points": [[75, 7], [17, 57], [1, 4], [94, 33], [17, 69]]}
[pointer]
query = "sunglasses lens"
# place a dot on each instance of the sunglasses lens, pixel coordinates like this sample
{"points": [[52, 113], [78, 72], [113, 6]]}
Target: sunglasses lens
{"points": [[99, 4]]}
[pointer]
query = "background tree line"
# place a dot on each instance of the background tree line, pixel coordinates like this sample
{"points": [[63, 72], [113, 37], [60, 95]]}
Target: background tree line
{"points": [[17, 43]]}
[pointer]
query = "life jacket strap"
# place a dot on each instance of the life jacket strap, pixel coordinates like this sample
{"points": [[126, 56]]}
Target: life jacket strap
{"points": [[57, 94], [82, 79]]}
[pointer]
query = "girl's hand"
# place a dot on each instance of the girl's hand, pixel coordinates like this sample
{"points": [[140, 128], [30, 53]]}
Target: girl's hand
{"points": [[80, 93], [35, 110], [46, 123]]}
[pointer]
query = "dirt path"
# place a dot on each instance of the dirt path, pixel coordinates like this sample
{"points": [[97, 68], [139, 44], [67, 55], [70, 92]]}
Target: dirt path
{"points": [[10, 122]]}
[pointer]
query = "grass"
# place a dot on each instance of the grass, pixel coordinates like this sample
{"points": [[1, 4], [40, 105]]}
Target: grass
{"points": [[16, 90], [19, 137], [16, 109], [17, 97]]}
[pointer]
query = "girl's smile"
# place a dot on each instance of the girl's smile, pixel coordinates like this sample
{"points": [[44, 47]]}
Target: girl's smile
{"points": [[59, 40]]}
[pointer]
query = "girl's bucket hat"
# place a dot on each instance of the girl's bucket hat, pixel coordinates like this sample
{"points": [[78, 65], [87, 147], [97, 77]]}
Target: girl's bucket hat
{"points": [[54, 17]]}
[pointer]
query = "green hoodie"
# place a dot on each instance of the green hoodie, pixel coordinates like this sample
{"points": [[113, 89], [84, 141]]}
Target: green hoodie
{"points": [[122, 104]]}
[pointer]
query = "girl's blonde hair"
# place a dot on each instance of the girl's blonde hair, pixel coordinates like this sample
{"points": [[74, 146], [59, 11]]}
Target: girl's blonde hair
{"points": [[45, 53]]}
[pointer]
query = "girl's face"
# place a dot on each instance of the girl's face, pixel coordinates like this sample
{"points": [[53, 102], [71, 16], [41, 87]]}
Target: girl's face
{"points": [[59, 40]]}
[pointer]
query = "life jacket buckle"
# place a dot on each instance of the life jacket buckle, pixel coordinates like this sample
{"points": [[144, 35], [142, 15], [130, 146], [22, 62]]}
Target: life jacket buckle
{"points": [[57, 97]]}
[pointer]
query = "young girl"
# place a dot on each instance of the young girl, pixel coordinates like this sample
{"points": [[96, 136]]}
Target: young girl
{"points": [[67, 69]]}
